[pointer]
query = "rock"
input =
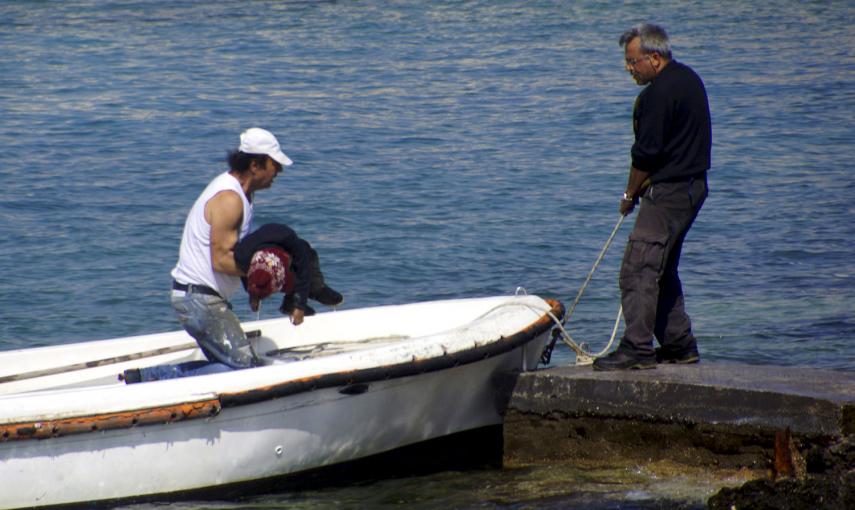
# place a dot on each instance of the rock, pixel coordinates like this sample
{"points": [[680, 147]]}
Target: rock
{"points": [[829, 484]]}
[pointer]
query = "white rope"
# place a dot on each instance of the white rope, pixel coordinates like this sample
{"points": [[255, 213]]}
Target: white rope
{"points": [[583, 356], [594, 268], [335, 346], [330, 347]]}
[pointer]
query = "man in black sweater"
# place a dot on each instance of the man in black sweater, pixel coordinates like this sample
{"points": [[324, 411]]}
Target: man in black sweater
{"points": [[302, 263], [670, 159]]}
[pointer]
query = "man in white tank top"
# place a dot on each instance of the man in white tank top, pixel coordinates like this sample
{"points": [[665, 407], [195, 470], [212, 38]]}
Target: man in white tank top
{"points": [[206, 274]]}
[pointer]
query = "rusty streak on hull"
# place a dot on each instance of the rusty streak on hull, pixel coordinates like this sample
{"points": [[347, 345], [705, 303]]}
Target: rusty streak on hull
{"points": [[109, 421]]}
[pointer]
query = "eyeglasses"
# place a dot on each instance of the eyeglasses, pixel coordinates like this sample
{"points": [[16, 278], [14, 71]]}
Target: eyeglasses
{"points": [[632, 61]]}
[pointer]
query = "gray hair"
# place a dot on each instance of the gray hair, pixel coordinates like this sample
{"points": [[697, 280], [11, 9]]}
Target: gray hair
{"points": [[654, 39]]}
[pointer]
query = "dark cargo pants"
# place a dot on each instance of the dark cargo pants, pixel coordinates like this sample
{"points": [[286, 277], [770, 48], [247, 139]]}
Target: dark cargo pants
{"points": [[651, 292]]}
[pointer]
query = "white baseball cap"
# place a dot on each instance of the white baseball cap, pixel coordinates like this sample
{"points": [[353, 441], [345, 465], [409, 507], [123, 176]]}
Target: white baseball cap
{"points": [[260, 141]]}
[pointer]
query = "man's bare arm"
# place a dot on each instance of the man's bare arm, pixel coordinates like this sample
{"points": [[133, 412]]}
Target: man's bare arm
{"points": [[224, 212]]}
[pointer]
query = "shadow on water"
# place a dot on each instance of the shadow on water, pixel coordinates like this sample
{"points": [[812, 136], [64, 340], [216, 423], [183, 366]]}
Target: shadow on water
{"points": [[460, 471]]}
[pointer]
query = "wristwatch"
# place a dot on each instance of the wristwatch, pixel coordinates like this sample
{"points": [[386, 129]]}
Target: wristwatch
{"points": [[628, 197]]}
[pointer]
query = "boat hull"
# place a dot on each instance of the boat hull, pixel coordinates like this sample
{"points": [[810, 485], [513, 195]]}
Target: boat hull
{"points": [[270, 432]]}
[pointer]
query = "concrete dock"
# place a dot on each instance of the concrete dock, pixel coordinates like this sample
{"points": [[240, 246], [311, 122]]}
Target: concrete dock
{"points": [[810, 401], [736, 418]]}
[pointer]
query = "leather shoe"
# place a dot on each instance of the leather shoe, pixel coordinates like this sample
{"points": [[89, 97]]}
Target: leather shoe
{"points": [[131, 376], [685, 356], [327, 296], [619, 360]]}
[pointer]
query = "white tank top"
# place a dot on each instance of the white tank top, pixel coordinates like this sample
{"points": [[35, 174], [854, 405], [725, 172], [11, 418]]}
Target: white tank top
{"points": [[194, 258]]}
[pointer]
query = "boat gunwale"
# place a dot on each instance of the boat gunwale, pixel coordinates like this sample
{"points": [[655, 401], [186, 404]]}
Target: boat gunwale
{"points": [[410, 368], [189, 410]]}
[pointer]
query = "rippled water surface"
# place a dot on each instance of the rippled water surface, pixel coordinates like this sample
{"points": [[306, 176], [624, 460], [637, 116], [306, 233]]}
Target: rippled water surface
{"points": [[443, 149]]}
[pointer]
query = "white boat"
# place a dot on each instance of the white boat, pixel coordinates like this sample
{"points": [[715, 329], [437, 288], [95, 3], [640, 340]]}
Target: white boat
{"points": [[346, 385]]}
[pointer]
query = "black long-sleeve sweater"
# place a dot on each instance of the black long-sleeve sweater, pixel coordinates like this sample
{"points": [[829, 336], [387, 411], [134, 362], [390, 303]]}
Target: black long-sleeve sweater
{"points": [[281, 236], [673, 131]]}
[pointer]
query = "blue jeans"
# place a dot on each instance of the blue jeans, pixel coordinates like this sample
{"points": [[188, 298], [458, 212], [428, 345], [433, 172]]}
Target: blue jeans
{"points": [[210, 320], [185, 369]]}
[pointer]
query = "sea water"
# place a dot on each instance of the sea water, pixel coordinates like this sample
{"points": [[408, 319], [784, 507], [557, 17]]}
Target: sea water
{"points": [[442, 150]]}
